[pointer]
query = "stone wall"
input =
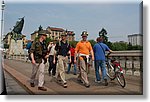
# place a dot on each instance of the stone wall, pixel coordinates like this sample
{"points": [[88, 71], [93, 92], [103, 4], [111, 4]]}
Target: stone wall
{"points": [[131, 61]]}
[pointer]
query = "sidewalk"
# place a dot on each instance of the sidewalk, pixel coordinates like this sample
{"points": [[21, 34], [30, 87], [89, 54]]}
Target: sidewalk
{"points": [[12, 86], [22, 71]]}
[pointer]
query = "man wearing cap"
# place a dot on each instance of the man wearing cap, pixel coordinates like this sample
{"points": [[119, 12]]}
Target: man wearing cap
{"points": [[83, 50], [38, 53], [62, 48]]}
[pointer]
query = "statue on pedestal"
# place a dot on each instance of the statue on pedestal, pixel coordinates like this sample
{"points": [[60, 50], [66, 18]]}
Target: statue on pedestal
{"points": [[16, 32], [16, 41]]}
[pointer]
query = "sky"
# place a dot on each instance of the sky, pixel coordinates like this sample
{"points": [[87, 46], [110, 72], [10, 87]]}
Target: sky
{"points": [[119, 19]]}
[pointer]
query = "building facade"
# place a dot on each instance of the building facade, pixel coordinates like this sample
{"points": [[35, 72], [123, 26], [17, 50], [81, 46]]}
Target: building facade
{"points": [[55, 33], [135, 39]]}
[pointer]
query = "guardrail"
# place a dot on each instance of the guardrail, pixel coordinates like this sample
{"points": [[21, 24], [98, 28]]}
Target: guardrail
{"points": [[131, 61]]}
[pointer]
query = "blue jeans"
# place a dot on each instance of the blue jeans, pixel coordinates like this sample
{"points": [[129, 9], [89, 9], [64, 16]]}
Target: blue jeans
{"points": [[102, 65], [75, 68], [69, 65]]}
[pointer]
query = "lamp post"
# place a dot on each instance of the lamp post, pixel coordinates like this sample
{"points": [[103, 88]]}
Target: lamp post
{"points": [[2, 20]]}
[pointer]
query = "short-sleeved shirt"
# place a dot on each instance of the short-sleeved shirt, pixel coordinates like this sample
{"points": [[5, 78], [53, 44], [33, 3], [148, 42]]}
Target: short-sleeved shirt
{"points": [[62, 48], [52, 50], [72, 51], [83, 47], [99, 54]]}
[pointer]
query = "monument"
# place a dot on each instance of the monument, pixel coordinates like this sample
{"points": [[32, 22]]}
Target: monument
{"points": [[16, 41]]}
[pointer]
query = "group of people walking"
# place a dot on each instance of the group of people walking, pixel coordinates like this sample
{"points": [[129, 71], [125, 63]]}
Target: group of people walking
{"points": [[57, 55]]}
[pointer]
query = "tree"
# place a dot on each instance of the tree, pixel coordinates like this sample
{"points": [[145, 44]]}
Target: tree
{"points": [[48, 40], [119, 46], [129, 46], [93, 42], [73, 43]]}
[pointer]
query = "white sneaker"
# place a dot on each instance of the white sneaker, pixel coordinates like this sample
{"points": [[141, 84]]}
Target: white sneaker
{"points": [[97, 81]]}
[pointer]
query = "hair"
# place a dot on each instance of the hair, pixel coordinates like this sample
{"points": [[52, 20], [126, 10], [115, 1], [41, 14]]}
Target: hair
{"points": [[99, 39]]}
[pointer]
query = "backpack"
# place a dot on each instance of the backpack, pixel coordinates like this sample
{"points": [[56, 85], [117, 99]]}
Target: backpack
{"points": [[29, 44]]}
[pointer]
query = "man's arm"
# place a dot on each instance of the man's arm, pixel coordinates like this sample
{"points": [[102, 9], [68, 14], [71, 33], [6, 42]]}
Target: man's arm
{"points": [[92, 53], [110, 51], [32, 53], [75, 55], [32, 58], [54, 59], [76, 52]]}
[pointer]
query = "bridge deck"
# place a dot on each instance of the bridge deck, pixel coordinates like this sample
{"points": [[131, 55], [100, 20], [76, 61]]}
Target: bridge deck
{"points": [[21, 71]]}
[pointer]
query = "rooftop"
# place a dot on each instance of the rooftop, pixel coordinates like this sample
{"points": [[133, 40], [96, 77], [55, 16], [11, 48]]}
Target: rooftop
{"points": [[56, 29]]}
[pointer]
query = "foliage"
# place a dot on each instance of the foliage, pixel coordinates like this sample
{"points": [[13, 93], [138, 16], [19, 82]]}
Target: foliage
{"points": [[93, 42], [135, 47], [73, 43], [119, 46], [48, 40]]}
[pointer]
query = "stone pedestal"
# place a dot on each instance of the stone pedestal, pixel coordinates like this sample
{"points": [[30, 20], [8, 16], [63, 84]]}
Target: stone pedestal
{"points": [[16, 47]]}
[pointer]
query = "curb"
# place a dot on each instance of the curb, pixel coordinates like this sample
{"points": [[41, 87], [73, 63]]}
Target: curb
{"points": [[23, 81]]}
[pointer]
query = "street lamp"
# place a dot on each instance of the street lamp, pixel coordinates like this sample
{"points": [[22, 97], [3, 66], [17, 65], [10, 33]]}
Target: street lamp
{"points": [[2, 20]]}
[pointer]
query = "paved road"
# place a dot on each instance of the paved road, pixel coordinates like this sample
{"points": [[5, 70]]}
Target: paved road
{"points": [[22, 71]]}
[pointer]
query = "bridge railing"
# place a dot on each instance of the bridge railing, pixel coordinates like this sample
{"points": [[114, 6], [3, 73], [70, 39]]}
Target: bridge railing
{"points": [[131, 61]]}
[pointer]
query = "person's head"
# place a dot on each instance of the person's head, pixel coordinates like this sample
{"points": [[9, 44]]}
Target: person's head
{"points": [[64, 36], [99, 39], [42, 35], [73, 45], [84, 35], [50, 43]]}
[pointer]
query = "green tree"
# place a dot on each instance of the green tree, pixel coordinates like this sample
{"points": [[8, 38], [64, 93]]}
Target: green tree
{"points": [[73, 43], [93, 42], [119, 46], [48, 40], [129, 47]]}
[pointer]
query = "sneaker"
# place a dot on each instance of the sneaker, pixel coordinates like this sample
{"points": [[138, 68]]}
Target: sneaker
{"points": [[80, 81], [42, 88], [32, 85], [74, 73], [97, 81], [87, 85], [65, 85], [59, 81], [106, 83]]}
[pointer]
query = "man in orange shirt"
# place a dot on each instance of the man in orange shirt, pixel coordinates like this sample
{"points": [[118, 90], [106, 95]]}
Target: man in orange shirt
{"points": [[83, 50]]}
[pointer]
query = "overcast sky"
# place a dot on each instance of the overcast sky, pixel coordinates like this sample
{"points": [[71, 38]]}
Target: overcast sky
{"points": [[119, 19]]}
